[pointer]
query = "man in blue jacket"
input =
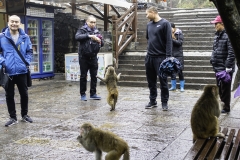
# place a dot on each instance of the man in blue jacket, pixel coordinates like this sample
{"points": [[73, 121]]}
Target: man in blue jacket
{"points": [[15, 67]]}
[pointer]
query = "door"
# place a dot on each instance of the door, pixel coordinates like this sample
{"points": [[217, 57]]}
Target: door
{"points": [[47, 45], [33, 32]]}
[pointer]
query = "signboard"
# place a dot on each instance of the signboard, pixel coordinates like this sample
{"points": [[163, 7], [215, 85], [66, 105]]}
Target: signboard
{"points": [[2, 6], [72, 68]]}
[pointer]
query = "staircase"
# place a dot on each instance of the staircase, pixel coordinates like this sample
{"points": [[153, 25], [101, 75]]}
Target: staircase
{"points": [[197, 71], [197, 47], [195, 25]]}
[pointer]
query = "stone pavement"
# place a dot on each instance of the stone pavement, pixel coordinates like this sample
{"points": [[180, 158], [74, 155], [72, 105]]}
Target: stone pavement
{"points": [[57, 111]]}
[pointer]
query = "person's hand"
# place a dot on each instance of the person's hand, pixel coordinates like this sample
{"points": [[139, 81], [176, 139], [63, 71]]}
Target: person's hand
{"points": [[228, 70], [173, 36], [95, 38], [4, 67]]}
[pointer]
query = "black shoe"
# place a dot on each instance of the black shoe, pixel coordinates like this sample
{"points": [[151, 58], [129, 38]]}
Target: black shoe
{"points": [[164, 106], [151, 105], [12, 121], [26, 118], [225, 111], [95, 97]]}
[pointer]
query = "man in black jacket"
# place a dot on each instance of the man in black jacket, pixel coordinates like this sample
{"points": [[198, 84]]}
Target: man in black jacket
{"points": [[88, 36], [223, 59], [159, 37]]}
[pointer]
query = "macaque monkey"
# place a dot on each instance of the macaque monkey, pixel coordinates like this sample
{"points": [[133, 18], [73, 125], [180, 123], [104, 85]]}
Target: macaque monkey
{"points": [[111, 79], [96, 140], [205, 113]]}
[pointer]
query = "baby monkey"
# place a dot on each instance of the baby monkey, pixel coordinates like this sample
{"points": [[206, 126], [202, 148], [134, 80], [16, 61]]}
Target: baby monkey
{"points": [[111, 79], [96, 140]]}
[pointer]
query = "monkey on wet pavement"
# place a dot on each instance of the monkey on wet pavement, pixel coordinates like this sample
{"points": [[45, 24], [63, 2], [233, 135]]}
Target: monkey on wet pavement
{"points": [[98, 141], [111, 79], [205, 113]]}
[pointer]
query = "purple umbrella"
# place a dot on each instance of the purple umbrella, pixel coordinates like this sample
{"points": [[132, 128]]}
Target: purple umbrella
{"points": [[237, 93], [223, 76]]}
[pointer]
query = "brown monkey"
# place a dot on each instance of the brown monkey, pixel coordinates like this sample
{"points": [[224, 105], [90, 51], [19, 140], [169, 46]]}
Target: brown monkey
{"points": [[96, 140], [111, 79], [205, 113]]}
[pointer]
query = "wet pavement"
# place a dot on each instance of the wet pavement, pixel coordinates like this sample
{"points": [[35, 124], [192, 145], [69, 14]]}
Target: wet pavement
{"points": [[57, 112]]}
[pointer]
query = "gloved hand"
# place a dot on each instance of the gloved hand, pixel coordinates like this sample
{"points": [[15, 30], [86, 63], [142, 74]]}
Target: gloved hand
{"points": [[228, 70]]}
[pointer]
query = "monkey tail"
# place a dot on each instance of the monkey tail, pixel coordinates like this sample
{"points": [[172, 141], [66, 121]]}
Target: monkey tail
{"points": [[126, 154]]}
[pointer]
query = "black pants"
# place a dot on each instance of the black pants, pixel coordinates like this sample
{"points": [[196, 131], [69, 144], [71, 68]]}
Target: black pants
{"points": [[21, 82], [225, 92], [152, 66], [180, 74], [90, 64]]}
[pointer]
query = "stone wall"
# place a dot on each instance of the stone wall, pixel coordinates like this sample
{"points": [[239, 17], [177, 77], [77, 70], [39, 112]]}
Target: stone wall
{"points": [[65, 28]]}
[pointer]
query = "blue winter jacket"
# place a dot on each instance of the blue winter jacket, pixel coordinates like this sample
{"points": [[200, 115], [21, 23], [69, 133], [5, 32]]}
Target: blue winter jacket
{"points": [[9, 56]]}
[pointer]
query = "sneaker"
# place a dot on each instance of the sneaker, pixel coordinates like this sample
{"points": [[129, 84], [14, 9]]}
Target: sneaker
{"points": [[26, 118], [151, 105], [12, 121], [84, 97], [164, 106], [95, 97], [225, 111]]}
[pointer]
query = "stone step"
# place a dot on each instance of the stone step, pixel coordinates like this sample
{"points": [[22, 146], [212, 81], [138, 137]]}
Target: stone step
{"points": [[197, 43], [188, 56], [194, 34], [140, 61], [198, 48], [186, 33], [143, 46], [197, 14], [186, 42], [208, 27], [197, 86], [181, 20], [199, 67], [186, 73], [142, 31], [209, 39], [194, 23], [142, 78], [189, 41]]}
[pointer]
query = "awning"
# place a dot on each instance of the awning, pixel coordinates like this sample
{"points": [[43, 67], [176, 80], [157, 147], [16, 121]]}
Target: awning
{"points": [[120, 3]]}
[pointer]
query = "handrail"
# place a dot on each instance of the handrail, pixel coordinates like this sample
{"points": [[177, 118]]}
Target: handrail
{"points": [[124, 31]]}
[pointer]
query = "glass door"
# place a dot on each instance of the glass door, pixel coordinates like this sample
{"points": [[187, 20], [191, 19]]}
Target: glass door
{"points": [[33, 32], [47, 50]]}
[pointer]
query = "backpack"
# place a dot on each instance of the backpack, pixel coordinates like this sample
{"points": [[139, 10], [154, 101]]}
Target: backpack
{"points": [[90, 48]]}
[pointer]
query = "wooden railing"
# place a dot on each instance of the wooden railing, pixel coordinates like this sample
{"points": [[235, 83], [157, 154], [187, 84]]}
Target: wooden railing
{"points": [[124, 31]]}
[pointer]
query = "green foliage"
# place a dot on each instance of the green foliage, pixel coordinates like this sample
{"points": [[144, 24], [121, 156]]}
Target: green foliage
{"points": [[191, 4]]}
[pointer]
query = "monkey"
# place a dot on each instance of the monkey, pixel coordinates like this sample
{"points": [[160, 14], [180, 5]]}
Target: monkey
{"points": [[98, 141], [111, 79], [205, 113]]}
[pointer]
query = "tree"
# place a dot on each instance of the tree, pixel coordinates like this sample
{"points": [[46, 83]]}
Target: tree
{"points": [[229, 10]]}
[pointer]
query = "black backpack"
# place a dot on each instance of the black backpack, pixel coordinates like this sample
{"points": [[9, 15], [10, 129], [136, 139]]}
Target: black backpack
{"points": [[90, 48]]}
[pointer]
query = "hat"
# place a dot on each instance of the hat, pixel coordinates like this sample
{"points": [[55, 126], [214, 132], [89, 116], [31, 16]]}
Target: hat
{"points": [[218, 19]]}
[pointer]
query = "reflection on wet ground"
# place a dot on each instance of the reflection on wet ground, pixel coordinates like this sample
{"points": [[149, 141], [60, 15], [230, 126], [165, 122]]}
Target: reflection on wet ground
{"points": [[57, 111]]}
